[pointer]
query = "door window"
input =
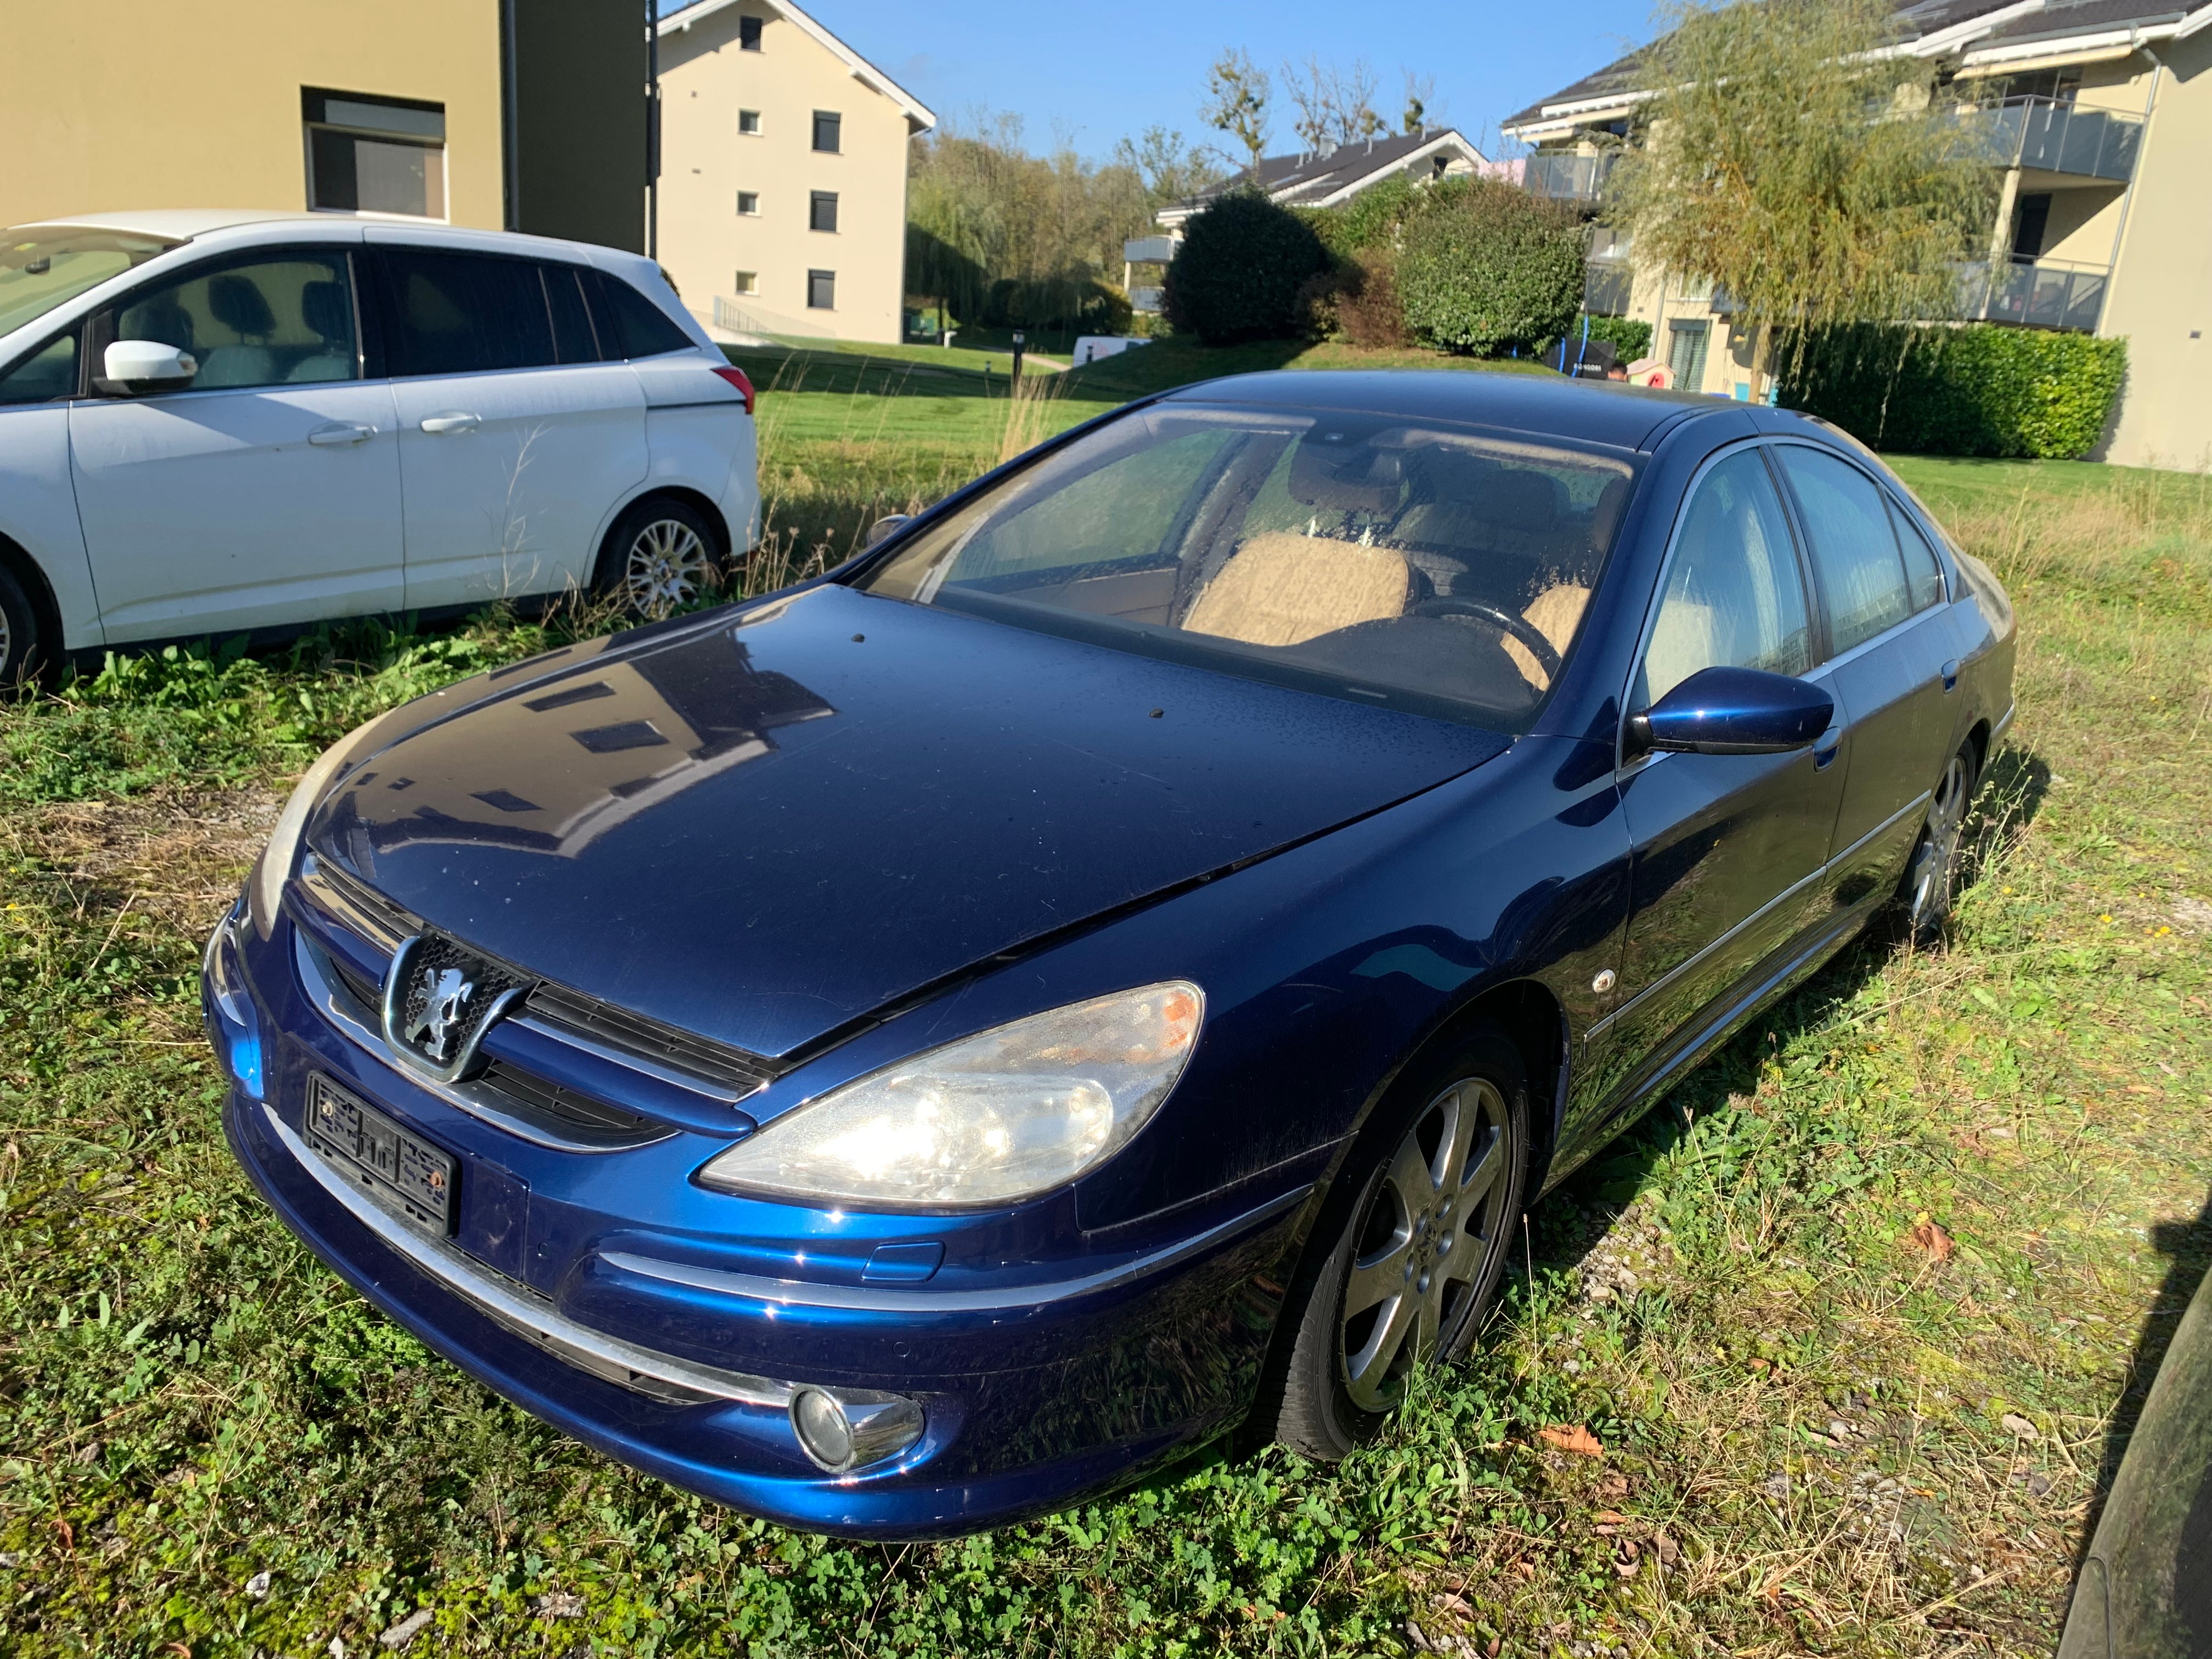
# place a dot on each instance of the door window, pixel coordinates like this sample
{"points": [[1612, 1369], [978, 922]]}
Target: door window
{"points": [[463, 313], [573, 339], [1923, 577], [1854, 556], [47, 374], [287, 321], [1733, 597]]}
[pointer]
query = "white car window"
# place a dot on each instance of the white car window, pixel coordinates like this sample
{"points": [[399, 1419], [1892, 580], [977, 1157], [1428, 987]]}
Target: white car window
{"points": [[285, 321]]}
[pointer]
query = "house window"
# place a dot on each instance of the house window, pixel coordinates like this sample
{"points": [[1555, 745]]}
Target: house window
{"points": [[828, 127], [749, 123], [749, 202], [822, 210], [1686, 354], [745, 282], [822, 290], [749, 33], [374, 154]]}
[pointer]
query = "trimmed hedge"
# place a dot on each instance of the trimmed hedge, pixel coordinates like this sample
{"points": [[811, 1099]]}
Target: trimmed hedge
{"points": [[1974, 389], [1239, 273], [1071, 305], [1487, 265]]}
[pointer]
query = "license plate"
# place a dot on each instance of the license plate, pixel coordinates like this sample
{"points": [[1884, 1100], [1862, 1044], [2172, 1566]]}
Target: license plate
{"points": [[404, 1169]]}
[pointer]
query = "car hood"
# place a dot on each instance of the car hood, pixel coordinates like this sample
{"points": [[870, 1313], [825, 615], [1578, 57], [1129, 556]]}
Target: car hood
{"points": [[763, 829]]}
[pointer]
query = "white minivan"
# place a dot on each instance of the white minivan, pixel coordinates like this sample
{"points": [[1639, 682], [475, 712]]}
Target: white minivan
{"points": [[219, 422]]}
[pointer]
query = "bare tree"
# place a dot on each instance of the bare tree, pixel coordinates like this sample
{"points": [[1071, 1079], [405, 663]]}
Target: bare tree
{"points": [[1420, 98], [1353, 93], [1238, 93], [1170, 170], [1312, 92]]}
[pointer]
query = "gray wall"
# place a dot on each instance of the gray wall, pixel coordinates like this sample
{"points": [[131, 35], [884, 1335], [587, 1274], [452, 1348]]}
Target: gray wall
{"points": [[576, 112]]}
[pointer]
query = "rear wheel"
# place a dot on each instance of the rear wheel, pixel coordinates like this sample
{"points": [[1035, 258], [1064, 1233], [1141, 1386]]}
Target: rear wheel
{"points": [[1418, 1254], [659, 557], [23, 647], [1932, 877]]}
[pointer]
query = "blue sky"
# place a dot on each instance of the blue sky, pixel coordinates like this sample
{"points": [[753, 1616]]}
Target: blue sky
{"points": [[1100, 71]]}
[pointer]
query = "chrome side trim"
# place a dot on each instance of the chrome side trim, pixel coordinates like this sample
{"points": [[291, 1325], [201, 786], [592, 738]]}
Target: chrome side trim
{"points": [[523, 1310], [1599, 1027], [458, 1096], [874, 1298]]}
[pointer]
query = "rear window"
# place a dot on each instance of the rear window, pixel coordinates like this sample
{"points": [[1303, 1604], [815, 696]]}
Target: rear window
{"points": [[1412, 564], [631, 326]]}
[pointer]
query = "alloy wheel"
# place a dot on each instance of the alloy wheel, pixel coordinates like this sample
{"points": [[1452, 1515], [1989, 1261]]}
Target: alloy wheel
{"points": [[667, 565], [7, 649], [1937, 858], [1424, 1241]]}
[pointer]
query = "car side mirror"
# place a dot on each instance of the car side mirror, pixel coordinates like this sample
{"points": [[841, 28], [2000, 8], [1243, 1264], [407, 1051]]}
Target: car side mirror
{"points": [[889, 525], [1732, 711], [134, 367]]}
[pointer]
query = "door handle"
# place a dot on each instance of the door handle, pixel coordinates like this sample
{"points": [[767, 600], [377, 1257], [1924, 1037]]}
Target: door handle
{"points": [[340, 432], [1826, 748], [1951, 675], [453, 420]]}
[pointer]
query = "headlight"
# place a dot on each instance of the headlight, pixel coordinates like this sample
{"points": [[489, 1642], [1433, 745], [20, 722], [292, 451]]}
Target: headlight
{"points": [[265, 892], [1005, 1115]]}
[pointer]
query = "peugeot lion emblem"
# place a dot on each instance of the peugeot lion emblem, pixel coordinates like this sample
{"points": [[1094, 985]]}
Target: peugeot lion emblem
{"points": [[438, 1000]]}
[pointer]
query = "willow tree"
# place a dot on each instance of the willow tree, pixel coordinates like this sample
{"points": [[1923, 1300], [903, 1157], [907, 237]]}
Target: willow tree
{"points": [[1785, 151]]}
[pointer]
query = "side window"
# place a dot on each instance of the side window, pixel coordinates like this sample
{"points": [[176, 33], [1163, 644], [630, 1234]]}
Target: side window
{"points": [[1733, 597], [573, 340], [287, 321], [1923, 577], [631, 324], [463, 313], [1855, 557], [47, 374]]}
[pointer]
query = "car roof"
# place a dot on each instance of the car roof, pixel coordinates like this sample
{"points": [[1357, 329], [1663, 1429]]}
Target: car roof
{"points": [[183, 223], [1555, 405], [197, 224]]}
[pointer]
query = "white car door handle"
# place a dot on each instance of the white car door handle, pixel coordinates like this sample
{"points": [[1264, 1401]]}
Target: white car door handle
{"points": [[341, 432], [453, 421]]}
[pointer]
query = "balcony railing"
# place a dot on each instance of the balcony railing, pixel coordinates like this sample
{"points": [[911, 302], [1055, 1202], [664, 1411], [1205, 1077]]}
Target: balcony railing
{"points": [[2052, 136], [1569, 178], [2037, 293], [1607, 284]]}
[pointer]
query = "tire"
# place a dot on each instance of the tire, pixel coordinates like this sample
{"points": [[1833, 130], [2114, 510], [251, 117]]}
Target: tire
{"points": [[659, 557], [22, 642], [1416, 1256], [1931, 875]]}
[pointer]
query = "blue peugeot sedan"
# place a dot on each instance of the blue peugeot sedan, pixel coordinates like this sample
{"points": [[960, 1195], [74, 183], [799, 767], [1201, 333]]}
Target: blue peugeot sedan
{"points": [[1111, 963]]}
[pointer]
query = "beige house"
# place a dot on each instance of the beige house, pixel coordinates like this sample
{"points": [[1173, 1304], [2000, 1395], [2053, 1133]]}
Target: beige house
{"points": [[783, 174], [2098, 111], [487, 113]]}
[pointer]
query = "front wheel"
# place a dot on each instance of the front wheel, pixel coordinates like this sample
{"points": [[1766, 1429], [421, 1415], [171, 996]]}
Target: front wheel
{"points": [[1419, 1251], [659, 558], [1932, 877], [21, 647]]}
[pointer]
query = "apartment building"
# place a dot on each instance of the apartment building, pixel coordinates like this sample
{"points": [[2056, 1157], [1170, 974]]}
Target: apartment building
{"points": [[500, 114], [783, 174], [2099, 114]]}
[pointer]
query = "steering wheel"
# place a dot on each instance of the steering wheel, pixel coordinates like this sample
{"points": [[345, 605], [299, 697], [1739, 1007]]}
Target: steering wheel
{"points": [[1506, 622]]}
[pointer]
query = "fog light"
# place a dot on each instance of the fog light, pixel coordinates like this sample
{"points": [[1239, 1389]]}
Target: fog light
{"points": [[851, 1431]]}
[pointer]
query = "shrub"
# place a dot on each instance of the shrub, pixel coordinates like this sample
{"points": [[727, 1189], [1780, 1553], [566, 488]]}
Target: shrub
{"points": [[1074, 305], [1369, 220], [1487, 265], [1238, 271], [1975, 390]]}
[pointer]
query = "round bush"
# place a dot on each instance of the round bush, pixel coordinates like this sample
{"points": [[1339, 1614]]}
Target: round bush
{"points": [[1238, 274], [1487, 265]]}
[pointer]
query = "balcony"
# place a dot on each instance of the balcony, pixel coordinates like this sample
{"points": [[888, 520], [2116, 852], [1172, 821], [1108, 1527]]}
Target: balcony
{"points": [[2034, 292], [1565, 178], [2050, 137], [1607, 284]]}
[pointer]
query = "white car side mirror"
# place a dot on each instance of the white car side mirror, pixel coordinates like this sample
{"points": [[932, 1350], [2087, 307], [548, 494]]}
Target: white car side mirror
{"points": [[134, 366]]}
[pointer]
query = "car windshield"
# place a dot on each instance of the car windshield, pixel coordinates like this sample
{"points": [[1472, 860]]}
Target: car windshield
{"points": [[1439, 570], [42, 267]]}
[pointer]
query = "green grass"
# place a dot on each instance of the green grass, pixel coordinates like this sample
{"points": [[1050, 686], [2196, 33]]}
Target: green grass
{"points": [[188, 1400]]}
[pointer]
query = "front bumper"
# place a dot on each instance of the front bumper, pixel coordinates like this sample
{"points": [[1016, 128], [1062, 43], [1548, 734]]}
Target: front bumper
{"points": [[1035, 1392]]}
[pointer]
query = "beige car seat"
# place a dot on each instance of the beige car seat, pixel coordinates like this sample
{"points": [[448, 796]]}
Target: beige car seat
{"points": [[1280, 588]]}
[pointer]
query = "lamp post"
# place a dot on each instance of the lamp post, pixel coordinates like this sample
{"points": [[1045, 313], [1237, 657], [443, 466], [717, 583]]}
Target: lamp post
{"points": [[1019, 339]]}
